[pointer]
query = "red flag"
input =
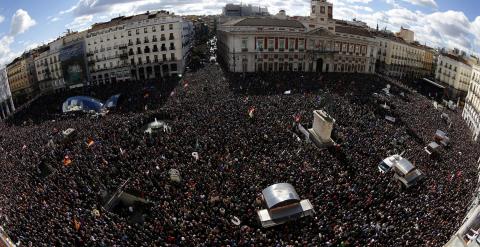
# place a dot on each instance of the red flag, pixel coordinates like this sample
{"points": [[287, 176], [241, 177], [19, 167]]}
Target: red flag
{"points": [[67, 161], [76, 224], [90, 142], [251, 112]]}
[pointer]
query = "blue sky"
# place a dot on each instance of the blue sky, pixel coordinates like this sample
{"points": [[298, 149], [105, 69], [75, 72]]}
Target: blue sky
{"points": [[25, 24]]}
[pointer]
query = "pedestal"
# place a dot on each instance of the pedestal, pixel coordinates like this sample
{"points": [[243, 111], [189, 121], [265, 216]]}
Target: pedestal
{"points": [[321, 131]]}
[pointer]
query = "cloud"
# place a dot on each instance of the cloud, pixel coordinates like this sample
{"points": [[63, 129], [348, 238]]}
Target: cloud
{"points": [[2, 18], [6, 54], [427, 3], [80, 23], [53, 18], [21, 22]]}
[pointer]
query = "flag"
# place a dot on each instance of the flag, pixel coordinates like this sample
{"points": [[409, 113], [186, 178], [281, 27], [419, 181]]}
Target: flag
{"points": [[251, 112], [298, 117], [90, 142], [76, 224], [67, 161]]}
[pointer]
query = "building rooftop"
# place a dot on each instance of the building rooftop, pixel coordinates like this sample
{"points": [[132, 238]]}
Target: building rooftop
{"points": [[269, 22], [353, 30], [456, 58]]}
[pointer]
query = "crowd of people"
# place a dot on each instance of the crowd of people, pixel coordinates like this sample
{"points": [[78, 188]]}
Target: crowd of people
{"points": [[239, 154]]}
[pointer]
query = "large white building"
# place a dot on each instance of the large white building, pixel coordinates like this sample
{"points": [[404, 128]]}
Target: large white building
{"points": [[454, 72], [6, 102], [314, 44], [141, 47], [401, 59], [471, 111]]}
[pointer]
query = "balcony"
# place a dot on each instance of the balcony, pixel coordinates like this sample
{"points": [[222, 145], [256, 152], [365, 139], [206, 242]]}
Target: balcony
{"points": [[138, 42], [154, 40], [131, 53], [164, 48], [89, 54], [91, 62], [244, 49], [102, 49], [155, 50], [270, 49], [146, 41], [130, 43], [122, 47], [162, 39], [172, 48], [123, 56]]}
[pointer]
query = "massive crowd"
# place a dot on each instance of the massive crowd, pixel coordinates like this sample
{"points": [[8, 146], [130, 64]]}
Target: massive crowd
{"points": [[238, 156]]}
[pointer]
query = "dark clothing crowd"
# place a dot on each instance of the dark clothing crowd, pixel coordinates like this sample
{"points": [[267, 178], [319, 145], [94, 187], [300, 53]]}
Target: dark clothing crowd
{"points": [[53, 193]]}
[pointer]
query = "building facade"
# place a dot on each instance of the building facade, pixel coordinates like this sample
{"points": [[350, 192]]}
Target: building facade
{"points": [[22, 77], [471, 111], [48, 63], [314, 44], [406, 34], [231, 9], [454, 72], [6, 101], [141, 47], [400, 59]]}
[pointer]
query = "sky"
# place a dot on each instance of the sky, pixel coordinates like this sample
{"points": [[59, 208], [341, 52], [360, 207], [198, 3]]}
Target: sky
{"points": [[25, 24]]}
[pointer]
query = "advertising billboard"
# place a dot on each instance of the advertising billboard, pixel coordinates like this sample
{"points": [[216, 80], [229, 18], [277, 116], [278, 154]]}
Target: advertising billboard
{"points": [[72, 58]]}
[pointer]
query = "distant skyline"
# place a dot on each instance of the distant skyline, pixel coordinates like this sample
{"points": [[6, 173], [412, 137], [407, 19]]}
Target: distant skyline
{"points": [[25, 24]]}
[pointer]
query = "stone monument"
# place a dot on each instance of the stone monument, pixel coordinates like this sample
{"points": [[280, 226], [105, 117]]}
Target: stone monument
{"points": [[321, 131]]}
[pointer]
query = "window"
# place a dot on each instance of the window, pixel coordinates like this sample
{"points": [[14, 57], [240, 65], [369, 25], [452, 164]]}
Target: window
{"points": [[171, 36], [129, 33], [172, 56], [260, 43], [170, 26], [137, 31], [322, 9], [291, 44], [154, 29], [164, 57], [271, 44], [313, 9], [281, 44], [145, 30], [244, 44], [162, 28], [301, 44]]}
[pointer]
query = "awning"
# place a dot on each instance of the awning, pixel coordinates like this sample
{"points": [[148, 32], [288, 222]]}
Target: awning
{"points": [[434, 83]]}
